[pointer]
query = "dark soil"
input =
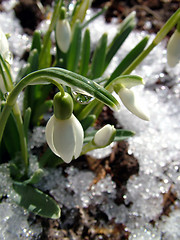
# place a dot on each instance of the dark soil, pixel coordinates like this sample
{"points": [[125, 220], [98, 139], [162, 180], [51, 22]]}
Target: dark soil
{"points": [[87, 224]]}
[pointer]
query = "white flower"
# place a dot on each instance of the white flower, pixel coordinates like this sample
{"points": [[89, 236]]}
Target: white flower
{"points": [[173, 49], [131, 102], [104, 136], [4, 47], [63, 35], [65, 137], [6, 54]]}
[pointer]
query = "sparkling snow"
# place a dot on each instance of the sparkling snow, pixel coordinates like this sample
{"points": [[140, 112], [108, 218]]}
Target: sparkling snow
{"points": [[156, 145]]}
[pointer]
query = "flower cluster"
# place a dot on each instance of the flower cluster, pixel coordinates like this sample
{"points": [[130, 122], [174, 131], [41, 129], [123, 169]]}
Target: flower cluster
{"points": [[74, 74]]}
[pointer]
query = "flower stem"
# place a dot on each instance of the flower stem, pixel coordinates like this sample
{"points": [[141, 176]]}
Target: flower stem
{"points": [[87, 110], [22, 136], [159, 37], [50, 29], [88, 147]]}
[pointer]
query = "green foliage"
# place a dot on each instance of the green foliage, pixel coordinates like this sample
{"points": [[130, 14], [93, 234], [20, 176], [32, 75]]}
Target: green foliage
{"points": [[35, 201], [80, 71]]}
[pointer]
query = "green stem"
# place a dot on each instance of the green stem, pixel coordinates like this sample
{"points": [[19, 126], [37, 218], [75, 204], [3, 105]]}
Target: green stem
{"points": [[22, 136], [49, 31], [87, 110], [6, 111], [88, 147], [138, 60], [172, 21], [159, 37], [178, 26], [3, 118]]}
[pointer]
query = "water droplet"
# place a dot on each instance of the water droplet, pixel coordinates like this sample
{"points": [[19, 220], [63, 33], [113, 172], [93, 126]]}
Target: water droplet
{"points": [[81, 98], [6, 95]]}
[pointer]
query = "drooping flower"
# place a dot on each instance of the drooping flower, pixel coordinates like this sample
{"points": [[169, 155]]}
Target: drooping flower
{"points": [[105, 136], [6, 54], [132, 103], [4, 47], [173, 49], [64, 133], [63, 32], [65, 137]]}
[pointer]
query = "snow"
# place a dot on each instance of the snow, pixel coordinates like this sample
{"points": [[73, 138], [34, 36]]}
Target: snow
{"points": [[156, 145]]}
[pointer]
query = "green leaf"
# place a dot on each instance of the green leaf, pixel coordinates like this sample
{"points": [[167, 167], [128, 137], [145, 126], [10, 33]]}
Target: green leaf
{"points": [[98, 59], [33, 60], [41, 109], [49, 159], [36, 41], [45, 55], [11, 137], [125, 28], [23, 72], [75, 48], [85, 53], [27, 117], [35, 201], [35, 178], [133, 54], [80, 11], [127, 81], [68, 78], [88, 121], [122, 134], [84, 24]]}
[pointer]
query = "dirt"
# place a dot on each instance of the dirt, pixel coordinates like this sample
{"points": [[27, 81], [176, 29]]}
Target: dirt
{"points": [[91, 223]]}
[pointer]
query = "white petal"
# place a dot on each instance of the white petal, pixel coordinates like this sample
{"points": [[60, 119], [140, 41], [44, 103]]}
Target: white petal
{"points": [[4, 47], [79, 136], [64, 139], [63, 35], [132, 104], [104, 135], [49, 134], [173, 49]]}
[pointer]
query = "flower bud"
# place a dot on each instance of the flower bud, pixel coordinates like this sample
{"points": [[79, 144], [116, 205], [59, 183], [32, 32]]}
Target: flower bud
{"points": [[131, 102], [173, 49], [63, 106], [104, 136], [63, 35]]}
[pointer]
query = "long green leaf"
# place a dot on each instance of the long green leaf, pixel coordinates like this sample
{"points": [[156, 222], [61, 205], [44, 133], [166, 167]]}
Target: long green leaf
{"points": [[75, 48], [133, 54], [98, 59], [85, 53], [62, 76], [35, 201], [11, 137], [125, 28], [36, 41], [80, 11], [27, 117]]}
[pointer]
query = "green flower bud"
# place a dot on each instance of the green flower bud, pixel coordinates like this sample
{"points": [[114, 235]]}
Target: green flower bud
{"points": [[63, 106]]}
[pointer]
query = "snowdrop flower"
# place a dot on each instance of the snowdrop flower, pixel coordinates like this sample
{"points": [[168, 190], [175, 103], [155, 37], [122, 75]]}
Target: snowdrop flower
{"points": [[173, 49], [64, 135], [104, 136], [6, 54], [4, 47], [63, 33], [131, 102]]}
